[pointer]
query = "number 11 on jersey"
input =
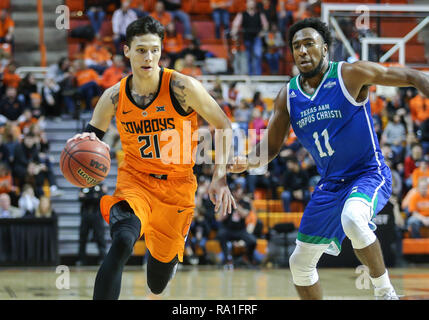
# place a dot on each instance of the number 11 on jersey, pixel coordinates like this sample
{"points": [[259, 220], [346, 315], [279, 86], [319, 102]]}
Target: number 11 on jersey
{"points": [[328, 147]]}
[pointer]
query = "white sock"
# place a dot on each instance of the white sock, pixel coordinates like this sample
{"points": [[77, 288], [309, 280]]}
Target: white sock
{"points": [[382, 281]]}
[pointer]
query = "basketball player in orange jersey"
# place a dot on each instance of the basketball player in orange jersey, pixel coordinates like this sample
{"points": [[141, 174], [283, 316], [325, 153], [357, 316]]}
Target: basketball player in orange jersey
{"points": [[154, 197]]}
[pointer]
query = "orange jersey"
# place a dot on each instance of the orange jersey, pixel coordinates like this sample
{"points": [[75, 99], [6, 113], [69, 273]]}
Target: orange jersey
{"points": [[165, 18], [419, 203], [289, 5], [97, 53], [85, 76], [160, 138], [173, 44], [165, 206], [111, 76], [11, 79], [5, 25]]}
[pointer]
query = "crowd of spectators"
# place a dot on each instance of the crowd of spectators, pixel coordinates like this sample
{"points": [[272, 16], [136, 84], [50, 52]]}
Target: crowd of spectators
{"points": [[259, 33], [27, 181]]}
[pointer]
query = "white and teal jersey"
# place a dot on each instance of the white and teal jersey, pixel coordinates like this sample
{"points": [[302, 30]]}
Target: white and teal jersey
{"points": [[334, 128]]}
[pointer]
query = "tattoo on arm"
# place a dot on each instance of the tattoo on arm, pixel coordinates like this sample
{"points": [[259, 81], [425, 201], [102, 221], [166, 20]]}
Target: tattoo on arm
{"points": [[179, 93], [114, 97]]}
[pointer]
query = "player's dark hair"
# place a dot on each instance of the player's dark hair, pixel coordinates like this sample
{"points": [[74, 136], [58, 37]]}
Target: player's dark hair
{"points": [[144, 26], [317, 24]]}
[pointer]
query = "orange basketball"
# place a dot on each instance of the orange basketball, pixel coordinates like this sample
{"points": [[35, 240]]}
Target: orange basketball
{"points": [[85, 163]]}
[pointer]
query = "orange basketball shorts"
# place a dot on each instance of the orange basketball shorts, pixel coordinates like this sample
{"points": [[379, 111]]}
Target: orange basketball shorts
{"points": [[165, 209]]}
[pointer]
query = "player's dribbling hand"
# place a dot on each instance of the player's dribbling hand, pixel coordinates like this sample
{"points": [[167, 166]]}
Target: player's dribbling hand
{"points": [[221, 196], [238, 165], [91, 136]]}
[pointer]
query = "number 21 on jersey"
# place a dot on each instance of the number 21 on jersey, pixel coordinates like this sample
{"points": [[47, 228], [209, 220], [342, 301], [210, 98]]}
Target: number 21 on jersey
{"points": [[328, 147]]}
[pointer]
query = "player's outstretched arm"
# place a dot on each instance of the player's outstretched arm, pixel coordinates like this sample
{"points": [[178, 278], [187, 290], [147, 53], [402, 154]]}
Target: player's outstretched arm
{"points": [[103, 113], [364, 73], [274, 137], [192, 95]]}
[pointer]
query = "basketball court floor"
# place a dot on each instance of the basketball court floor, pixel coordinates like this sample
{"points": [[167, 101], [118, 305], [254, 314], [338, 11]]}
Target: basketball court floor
{"points": [[205, 283]]}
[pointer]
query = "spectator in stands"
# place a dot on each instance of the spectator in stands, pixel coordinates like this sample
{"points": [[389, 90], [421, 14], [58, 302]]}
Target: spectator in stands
{"points": [[161, 15], [194, 48], [217, 92], [26, 87], [25, 120], [339, 51], [395, 135], [91, 219], [42, 141], [44, 210], [28, 202], [62, 75], [3, 121], [254, 25], [258, 102], [422, 170], [411, 162], [5, 59], [10, 106], [238, 55], [7, 27], [50, 98], [37, 111], [97, 56], [295, 184], [59, 71], [242, 115], [6, 181], [419, 108], [174, 7], [189, 67], [6, 209], [29, 167], [114, 73], [285, 9], [424, 136], [396, 180], [10, 140], [220, 16], [87, 83], [138, 7], [121, 18], [377, 104], [202, 200], [10, 77], [257, 123], [24, 154], [199, 233], [233, 227], [274, 45], [419, 209], [254, 225], [234, 96], [96, 11], [173, 42]]}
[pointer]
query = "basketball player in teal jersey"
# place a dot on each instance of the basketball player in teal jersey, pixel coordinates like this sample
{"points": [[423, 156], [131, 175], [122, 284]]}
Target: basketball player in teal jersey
{"points": [[328, 108]]}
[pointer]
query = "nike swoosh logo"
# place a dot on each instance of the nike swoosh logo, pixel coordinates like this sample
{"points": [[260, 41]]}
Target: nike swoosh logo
{"points": [[125, 112], [180, 211]]}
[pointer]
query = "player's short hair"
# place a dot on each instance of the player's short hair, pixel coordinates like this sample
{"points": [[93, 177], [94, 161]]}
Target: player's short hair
{"points": [[317, 24], [144, 26]]}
